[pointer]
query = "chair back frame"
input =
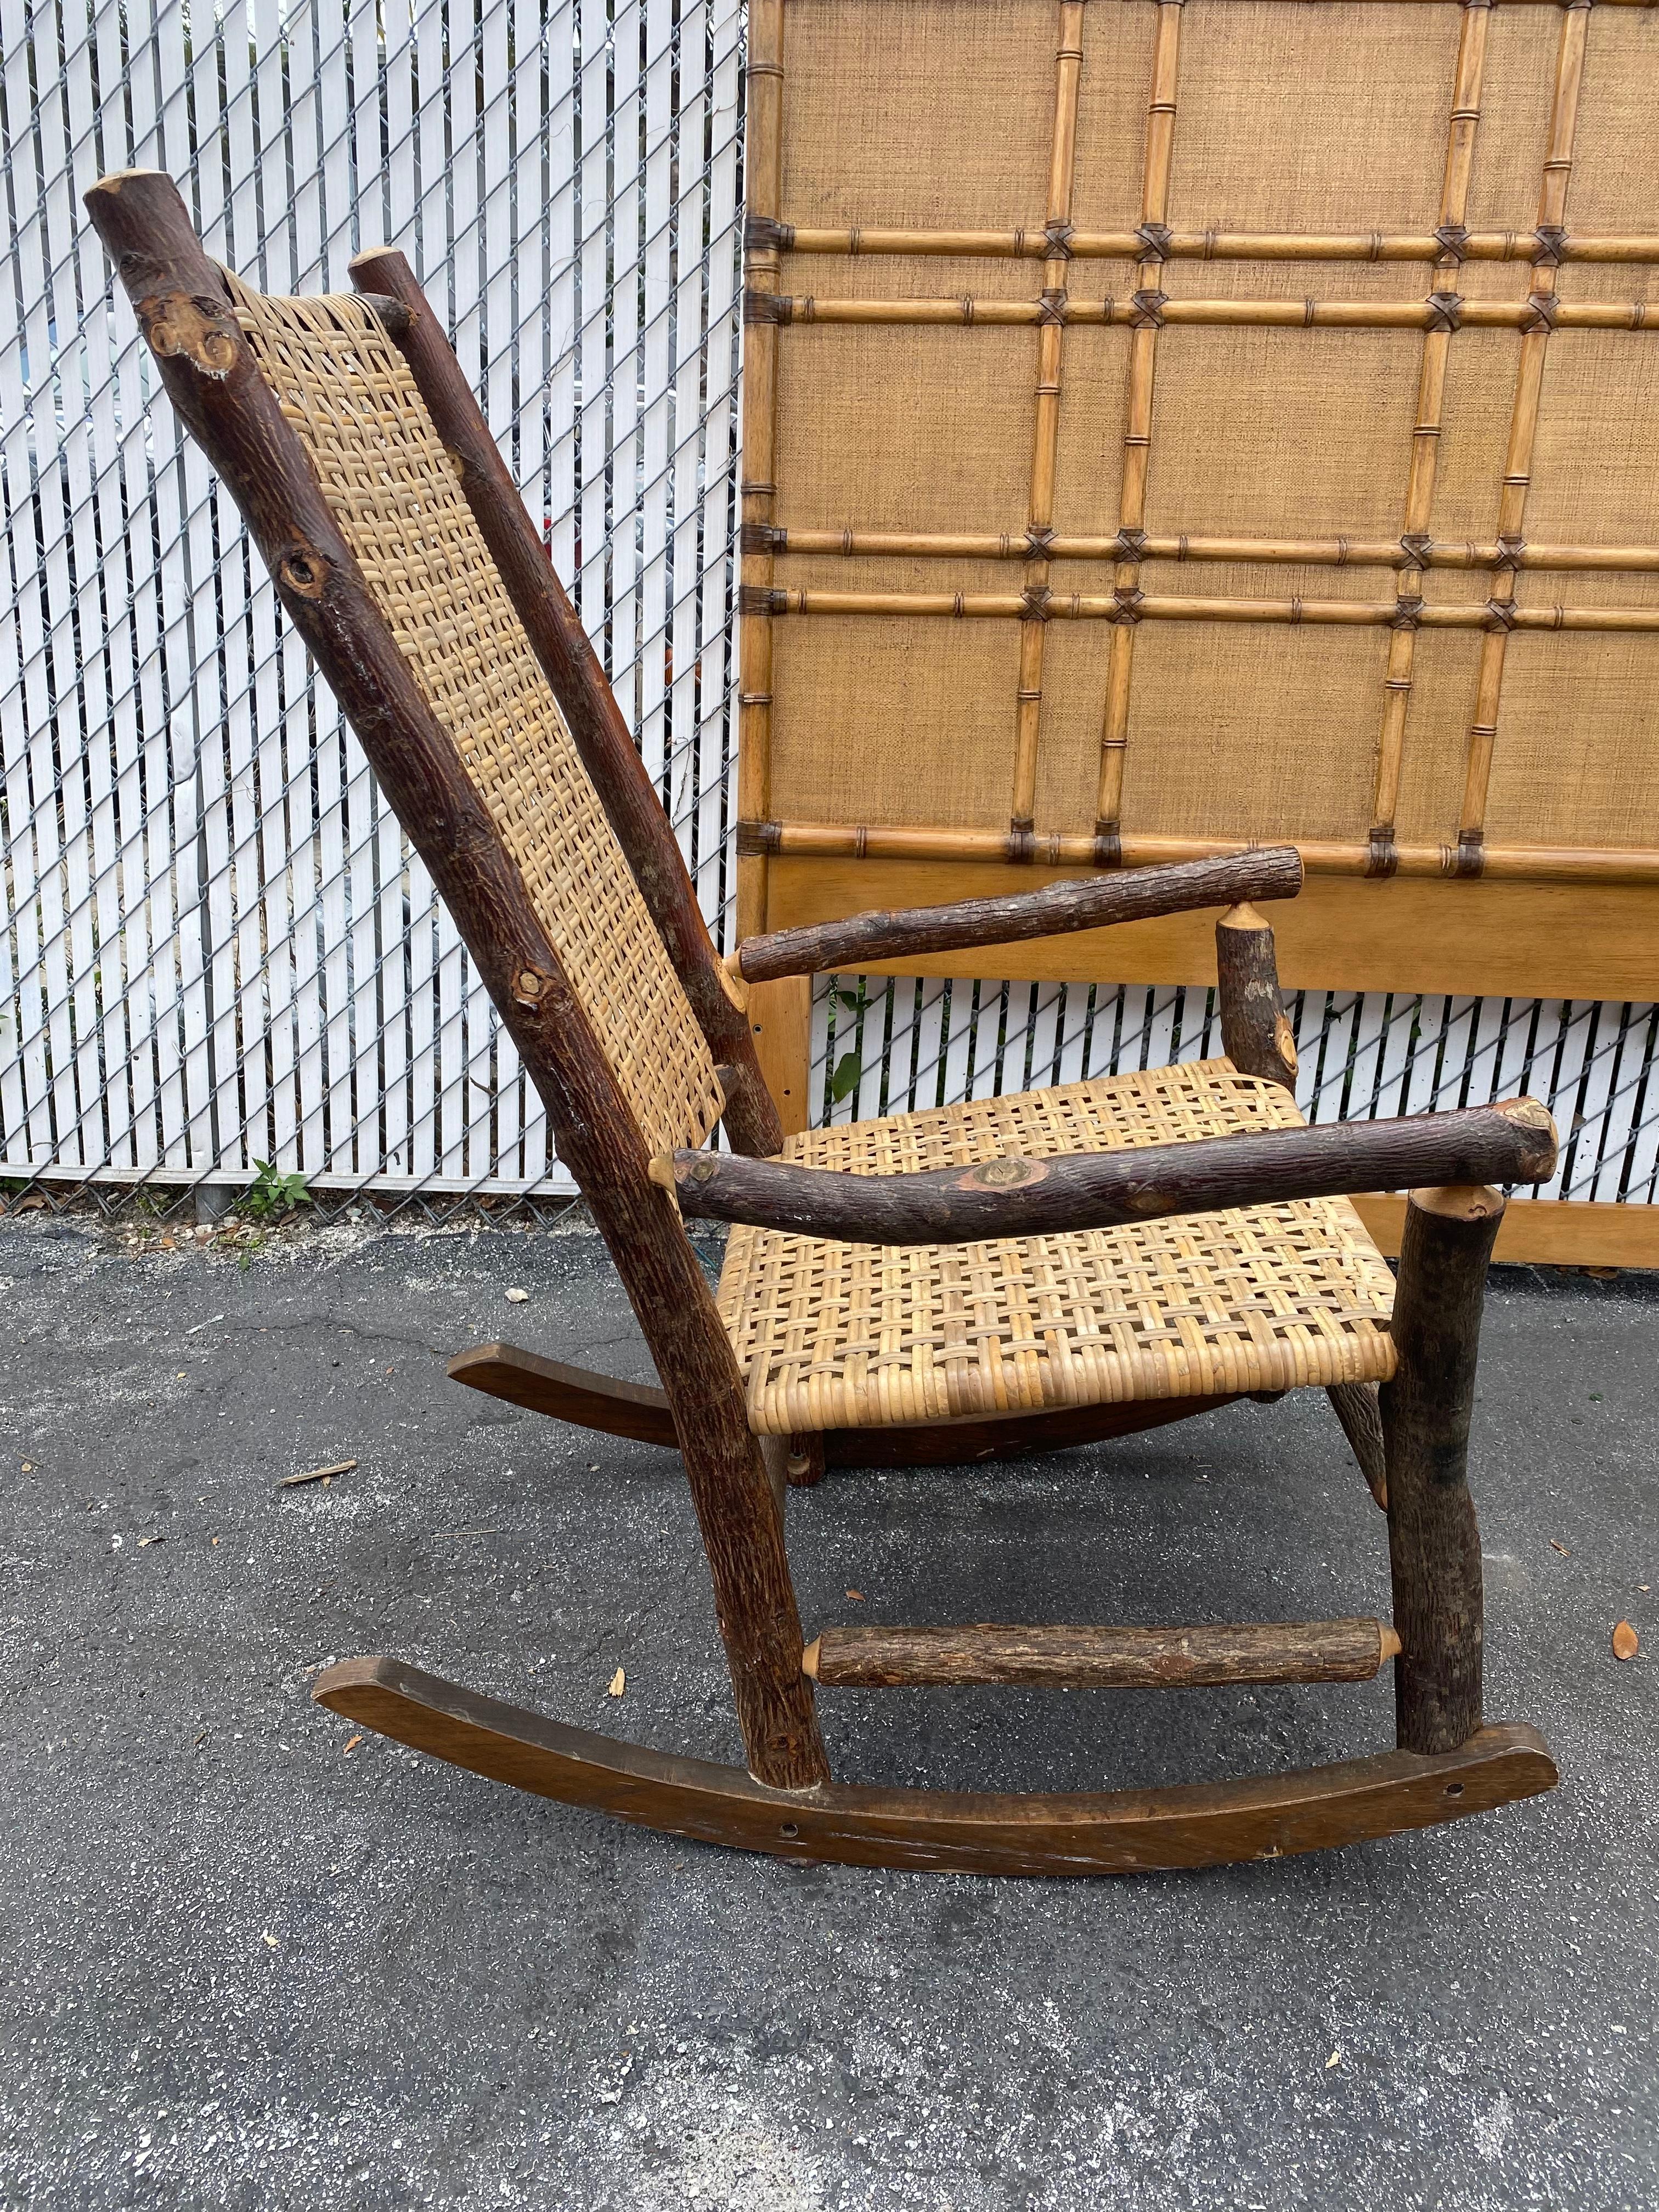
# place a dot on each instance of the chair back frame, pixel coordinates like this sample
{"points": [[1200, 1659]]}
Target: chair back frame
{"points": [[186, 313]]}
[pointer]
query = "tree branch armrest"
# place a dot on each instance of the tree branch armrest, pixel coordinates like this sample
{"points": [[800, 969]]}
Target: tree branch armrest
{"points": [[1093, 902], [1510, 1143]]}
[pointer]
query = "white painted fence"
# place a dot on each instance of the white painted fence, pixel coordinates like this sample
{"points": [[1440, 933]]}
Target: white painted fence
{"points": [[216, 948]]}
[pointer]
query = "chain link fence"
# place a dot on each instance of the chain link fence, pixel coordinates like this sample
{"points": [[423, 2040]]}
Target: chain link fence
{"points": [[217, 950]]}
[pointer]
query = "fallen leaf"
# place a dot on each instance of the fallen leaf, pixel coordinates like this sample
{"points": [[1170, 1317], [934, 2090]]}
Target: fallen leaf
{"points": [[201, 1739], [352, 1743], [1562, 1548], [517, 1297], [857, 1597], [317, 1474], [1334, 2059], [618, 1684], [1603, 1275], [270, 1939], [142, 1540], [28, 1466], [1626, 1641]]}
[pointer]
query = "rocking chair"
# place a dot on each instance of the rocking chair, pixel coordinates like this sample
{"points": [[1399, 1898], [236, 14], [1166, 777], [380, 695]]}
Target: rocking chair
{"points": [[1013, 1275]]}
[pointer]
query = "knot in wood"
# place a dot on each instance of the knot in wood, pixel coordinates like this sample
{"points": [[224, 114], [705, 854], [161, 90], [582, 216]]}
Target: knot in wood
{"points": [[1154, 240], [1148, 309], [1126, 603], [1453, 239], [528, 985], [1543, 311], [1511, 551], [185, 326], [1502, 615], [1059, 237], [1549, 245], [303, 571], [1445, 310], [1051, 307], [1003, 1175]]}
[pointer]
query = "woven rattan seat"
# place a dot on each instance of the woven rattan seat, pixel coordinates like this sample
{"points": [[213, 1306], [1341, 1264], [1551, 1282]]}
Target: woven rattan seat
{"points": [[832, 1335]]}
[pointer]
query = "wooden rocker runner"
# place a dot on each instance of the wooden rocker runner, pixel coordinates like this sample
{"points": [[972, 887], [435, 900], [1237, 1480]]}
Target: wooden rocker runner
{"points": [[1016, 1274]]}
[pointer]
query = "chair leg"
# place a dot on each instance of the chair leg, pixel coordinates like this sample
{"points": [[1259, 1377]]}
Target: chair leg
{"points": [[806, 1462], [1434, 1542]]}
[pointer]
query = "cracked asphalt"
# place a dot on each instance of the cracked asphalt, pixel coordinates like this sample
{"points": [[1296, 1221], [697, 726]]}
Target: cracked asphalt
{"points": [[247, 1961]]}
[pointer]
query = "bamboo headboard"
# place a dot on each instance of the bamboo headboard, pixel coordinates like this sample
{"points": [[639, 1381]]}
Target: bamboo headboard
{"points": [[1169, 428]]}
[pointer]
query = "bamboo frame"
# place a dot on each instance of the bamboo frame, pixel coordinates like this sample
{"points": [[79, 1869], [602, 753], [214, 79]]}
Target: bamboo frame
{"points": [[1523, 431], [763, 180], [1045, 442], [1172, 230], [1156, 311], [1059, 849], [1208, 245], [1094, 606], [1425, 439], [1303, 552]]}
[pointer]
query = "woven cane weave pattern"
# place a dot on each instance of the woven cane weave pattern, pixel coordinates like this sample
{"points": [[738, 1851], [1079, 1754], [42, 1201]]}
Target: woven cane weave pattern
{"points": [[833, 1335], [394, 493]]}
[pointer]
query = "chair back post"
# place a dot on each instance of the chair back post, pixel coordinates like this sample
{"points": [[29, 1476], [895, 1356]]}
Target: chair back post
{"points": [[187, 317], [571, 667]]}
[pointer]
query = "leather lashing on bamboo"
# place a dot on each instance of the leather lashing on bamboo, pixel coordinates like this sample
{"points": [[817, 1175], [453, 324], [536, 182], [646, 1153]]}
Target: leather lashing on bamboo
{"points": [[1173, 426]]}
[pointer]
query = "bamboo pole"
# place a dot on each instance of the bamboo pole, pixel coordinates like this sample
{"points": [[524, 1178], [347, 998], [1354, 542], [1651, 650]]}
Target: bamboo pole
{"points": [[1523, 430], [1135, 314], [1095, 606], [1138, 430], [764, 174], [1213, 244], [1303, 552], [826, 840], [1425, 433], [1045, 437]]}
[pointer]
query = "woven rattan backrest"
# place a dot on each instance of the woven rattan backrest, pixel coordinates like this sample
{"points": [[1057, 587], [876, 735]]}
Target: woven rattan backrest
{"points": [[1180, 426], [348, 391]]}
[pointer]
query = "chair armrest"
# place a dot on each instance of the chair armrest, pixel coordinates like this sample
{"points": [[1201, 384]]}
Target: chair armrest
{"points": [[1514, 1142], [1132, 895]]}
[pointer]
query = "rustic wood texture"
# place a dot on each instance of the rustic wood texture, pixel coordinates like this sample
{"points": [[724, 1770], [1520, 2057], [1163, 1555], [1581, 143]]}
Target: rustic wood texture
{"points": [[1256, 1032], [1434, 1543], [595, 721], [1109, 1831], [1497, 939], [1356, 1408], [643, 1412], [875, 1657], [1513, 1142], [1097, 903], [210, 375]]}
